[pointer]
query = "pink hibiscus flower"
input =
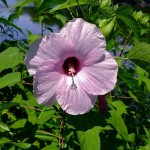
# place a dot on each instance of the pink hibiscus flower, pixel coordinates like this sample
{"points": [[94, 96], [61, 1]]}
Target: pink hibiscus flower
{"points": [[72, 66]]}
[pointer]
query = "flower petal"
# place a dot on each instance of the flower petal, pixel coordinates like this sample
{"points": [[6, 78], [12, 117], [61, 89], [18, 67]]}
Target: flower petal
{"points": [[100, 78], [87, 39], [52, 46], [74, 101], [46, 82]]}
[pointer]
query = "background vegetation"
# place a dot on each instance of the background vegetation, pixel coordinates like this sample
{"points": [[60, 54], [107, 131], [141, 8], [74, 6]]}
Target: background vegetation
{"points": [[24, 124]]}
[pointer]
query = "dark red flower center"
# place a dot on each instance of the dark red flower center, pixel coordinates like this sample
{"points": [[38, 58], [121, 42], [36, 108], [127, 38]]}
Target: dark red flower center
{"points": [[71, 67]]}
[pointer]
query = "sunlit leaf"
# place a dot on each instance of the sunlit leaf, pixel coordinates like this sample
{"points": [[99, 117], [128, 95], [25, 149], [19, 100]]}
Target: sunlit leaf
{"points": [[10, 79], [19, 124], [4, 126], [106, 26], [22, 145], [131, 138], [140, 55], [10, 58], [89, 139], [4, 141], [45, 116], [118, 123], [120, 106]]}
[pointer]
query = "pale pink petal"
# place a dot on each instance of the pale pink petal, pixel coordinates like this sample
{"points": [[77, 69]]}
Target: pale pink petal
{"points": [[87, 39], [74, 101], [99, 78], [52, 46], [46, 81]]}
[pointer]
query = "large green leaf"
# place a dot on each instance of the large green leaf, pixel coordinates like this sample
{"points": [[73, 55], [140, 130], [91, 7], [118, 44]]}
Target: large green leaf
{"points": [[10, 58], [10, 79], [88, 127], [118, 123], [140, 55], [89, 139]]}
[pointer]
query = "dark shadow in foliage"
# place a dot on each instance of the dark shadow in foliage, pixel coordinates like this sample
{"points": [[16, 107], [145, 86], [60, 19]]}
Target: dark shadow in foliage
{"points": [[87, 121], [28, 131]]}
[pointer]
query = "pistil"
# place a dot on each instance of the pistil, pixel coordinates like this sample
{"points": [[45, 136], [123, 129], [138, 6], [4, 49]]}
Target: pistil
{"points": [[71, 72]]}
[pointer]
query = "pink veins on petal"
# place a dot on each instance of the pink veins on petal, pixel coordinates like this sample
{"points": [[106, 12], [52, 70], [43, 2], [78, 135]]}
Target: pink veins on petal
{"points": [[72, 66]]}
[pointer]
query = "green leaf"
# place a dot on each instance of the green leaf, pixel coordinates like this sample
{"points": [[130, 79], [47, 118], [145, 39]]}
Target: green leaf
{"points": [[105, 3], [133, 96], [120, 106], [140, 55], [45, 116], [32, 37], [10, 79], [4, 126], [128, 78], [147, 82], [140, 72], [146, 147], [48, 4], [89, 139], [19, 124], [124, 10], [62, 18], [106, 26], [118, 123], [10, 58], [88, 127], [69, 3], [17, 99], [131, 138], [124, 13], [52, 146], [22, 145], [4, 141], [46, 138], [6, 105]]}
